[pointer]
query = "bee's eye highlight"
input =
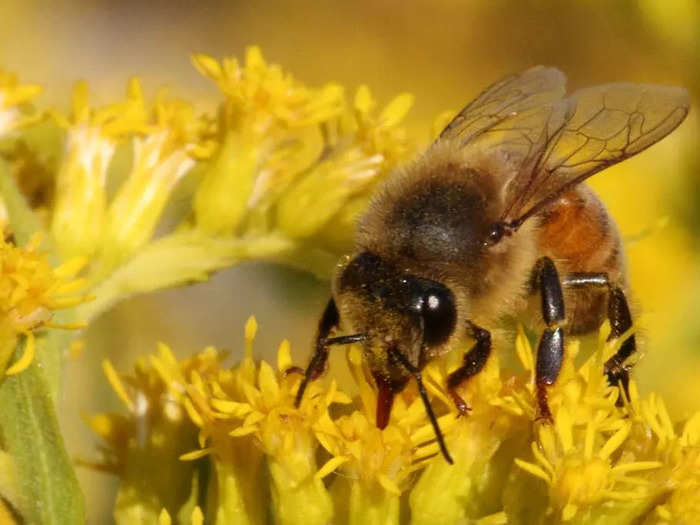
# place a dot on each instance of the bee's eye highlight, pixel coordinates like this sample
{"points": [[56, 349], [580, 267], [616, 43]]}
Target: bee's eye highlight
{"points": [[439, 315]]}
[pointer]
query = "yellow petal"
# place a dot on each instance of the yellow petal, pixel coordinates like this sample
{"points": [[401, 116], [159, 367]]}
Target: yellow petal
{"points": [[396, 110], [330, 466], [232, 408], [196, 454], [192, 412], [243, 431], [267, 382], [388, 484], [499, 518], [197, 516], [284, 356], [254, 58], [564, 426], [70, 268], [27, 357], [206, 65], [116, 383], [612, 444], [568, 512], [636, 466], [364, 103], [524, 350], [534, 470], [81, 109], [164, 518], [542, 460]]}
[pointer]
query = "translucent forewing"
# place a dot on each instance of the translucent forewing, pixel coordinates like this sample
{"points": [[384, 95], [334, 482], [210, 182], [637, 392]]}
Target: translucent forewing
{"points": [[513, 95], [555, 143], [610, 123]]}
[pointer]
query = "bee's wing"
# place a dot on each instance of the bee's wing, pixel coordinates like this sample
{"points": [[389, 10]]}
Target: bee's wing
{"points": [[585, 133], [508, 98]]}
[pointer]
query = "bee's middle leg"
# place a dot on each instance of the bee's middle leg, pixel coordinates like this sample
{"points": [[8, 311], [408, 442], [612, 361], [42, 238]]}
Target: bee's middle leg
{"points": [[550, 351], [474, 361]]}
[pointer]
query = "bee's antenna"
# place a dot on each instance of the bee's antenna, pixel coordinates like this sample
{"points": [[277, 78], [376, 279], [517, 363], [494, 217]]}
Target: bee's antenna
{"points": [[398, 356]]}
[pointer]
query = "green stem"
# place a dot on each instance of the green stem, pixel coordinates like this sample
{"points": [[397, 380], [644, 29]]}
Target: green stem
{"points": [[177, 259]]}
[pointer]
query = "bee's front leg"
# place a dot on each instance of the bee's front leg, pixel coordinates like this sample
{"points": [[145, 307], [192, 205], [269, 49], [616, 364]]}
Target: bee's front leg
{"points": [[550, 351], [474, 361], [329, 321]]}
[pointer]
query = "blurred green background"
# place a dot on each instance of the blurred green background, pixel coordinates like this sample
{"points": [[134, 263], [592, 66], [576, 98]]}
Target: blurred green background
{"points": [[442, 51]]}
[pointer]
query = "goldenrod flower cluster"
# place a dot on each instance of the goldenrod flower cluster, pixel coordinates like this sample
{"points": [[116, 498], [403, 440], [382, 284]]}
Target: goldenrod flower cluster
{"points": [[279, 173], [255, 455], [146, 193], [30, 290]]}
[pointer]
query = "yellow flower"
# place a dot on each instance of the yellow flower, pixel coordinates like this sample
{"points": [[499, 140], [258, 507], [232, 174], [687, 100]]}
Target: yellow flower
{"points": [[144, 447], [250, 410], [161, 157], [79, 213], [263, 97], [265, 118], [587, 458], [374, 467], [12, 97], [327, 462], [677, 449], [291, 158], [360, 150], [30, 290]]}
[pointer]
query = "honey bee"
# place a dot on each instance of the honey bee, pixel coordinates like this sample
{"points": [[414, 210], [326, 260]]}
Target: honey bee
{"points": [[492, 216]]}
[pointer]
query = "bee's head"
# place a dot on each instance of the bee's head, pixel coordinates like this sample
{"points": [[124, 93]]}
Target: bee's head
{"points": [[401, 316], [394, 308]]}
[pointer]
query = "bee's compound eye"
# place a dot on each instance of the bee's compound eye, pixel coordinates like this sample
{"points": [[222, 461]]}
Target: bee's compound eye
{"points": [[439, 315], [495, 234]]}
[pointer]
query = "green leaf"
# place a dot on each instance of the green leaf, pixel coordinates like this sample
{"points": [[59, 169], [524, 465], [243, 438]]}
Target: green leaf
{"points": [[48, 488]]}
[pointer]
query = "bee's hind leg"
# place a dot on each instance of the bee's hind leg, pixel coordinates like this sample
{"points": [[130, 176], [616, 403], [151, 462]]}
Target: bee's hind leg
{"points": [[550, 351], [474, 361], [620, 322]]}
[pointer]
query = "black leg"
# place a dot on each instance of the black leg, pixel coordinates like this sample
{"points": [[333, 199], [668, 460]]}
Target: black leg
{"points": [[620, 322], [550, 351], [329, 321], [474, 361]]}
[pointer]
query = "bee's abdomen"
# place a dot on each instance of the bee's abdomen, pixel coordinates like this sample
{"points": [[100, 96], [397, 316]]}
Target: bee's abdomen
{"points": [[578, 233]]}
